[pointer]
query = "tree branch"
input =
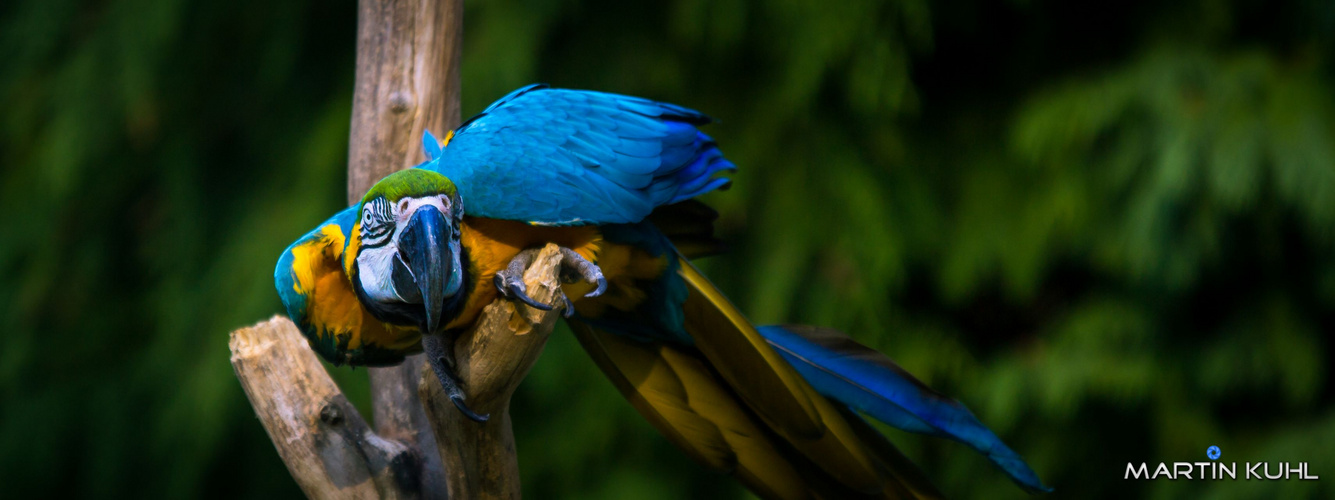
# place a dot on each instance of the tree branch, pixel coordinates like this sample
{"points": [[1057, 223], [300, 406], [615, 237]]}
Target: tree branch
{"points": [[407, 81], [326, 444], [332, 452], [492, 358]]}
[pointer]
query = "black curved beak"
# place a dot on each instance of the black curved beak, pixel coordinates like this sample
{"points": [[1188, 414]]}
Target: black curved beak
{"points": [[424, 248]]}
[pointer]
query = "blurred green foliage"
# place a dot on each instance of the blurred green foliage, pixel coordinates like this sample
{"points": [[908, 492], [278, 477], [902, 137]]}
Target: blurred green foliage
{"points": [[1110, 232]]}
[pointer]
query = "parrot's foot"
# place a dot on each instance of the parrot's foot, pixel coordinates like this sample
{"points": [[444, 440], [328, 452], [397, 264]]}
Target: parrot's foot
{"points": [[510, 281], [439, 353]]}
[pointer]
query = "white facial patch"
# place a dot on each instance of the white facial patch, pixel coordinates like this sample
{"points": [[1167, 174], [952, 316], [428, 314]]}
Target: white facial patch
{"points": [[374, 270], [375, 265], [406, 207]]}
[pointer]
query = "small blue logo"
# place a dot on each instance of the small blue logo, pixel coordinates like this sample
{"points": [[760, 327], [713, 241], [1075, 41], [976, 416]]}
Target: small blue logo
{"points": [[1212, 452]]}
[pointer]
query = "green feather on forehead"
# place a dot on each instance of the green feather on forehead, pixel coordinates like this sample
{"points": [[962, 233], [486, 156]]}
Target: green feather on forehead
{"points": [[410, 183]]}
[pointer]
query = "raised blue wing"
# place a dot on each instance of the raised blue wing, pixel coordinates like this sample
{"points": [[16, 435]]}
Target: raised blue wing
{"points": [[570, 157]]}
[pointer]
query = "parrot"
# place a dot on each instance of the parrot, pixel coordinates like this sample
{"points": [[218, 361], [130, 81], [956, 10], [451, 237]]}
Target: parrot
{"points": [[613, 180]]}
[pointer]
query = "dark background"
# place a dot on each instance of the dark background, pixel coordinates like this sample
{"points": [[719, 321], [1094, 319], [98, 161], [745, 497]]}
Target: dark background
{"points": [[1109, 232]]}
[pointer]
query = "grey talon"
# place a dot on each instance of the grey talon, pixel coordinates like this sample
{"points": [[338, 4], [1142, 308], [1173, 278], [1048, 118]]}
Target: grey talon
{"points": [[602, 287], [589, 271], [440, 354], [519, 291], [569, 309], [510, 281], [468, 412]]}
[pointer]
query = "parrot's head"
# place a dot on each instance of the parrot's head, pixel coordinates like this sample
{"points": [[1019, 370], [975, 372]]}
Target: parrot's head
{"points": [[408, 267]]}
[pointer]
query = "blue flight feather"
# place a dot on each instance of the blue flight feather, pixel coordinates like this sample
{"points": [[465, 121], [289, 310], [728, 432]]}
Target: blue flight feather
{"points": [[868, 381], [573, 157], [430, 146]]}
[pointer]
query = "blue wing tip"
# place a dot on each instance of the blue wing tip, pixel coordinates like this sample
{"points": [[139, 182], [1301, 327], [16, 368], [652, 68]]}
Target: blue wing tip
{"points": [[1024, 476], [970, 431], [430, 145], [1019, 472], [843, 370]]}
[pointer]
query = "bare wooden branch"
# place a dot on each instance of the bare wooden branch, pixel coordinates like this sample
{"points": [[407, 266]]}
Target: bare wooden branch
{"points": [[332, 452], [492, 358], [399, 415], [407, 81], [326, 444]]}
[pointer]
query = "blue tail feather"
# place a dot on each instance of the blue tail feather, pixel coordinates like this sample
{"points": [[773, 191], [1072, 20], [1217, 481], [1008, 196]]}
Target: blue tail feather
{"points": [[868, 381]]}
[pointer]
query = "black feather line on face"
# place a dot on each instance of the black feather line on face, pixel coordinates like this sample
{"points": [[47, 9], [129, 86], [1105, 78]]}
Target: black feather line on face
{"points": [[377, 223]]}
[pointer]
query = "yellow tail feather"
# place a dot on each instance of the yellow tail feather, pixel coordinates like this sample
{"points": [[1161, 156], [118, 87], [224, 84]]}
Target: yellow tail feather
{"points": [[735, 405], [684, 399], [744, 359], [770, 386]]}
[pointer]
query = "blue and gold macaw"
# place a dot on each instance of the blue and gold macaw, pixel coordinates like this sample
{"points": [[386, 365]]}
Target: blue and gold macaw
{"points": [[610, 179]]}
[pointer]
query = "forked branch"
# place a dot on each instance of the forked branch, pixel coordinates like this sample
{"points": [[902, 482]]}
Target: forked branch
{"points": [[332, 452]]}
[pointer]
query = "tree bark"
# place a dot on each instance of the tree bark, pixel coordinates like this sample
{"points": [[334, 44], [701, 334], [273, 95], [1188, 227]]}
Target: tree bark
{"points": [[407, 81], [332, 452], [492, 358], [326, 444]]}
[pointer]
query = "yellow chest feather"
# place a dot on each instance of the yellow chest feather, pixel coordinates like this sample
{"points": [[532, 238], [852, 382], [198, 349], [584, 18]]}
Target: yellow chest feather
{"points": [[491, 245]]}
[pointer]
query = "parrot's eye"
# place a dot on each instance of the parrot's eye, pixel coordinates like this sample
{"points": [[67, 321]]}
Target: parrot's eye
{"points": [[375, 215]]}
